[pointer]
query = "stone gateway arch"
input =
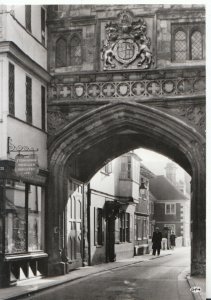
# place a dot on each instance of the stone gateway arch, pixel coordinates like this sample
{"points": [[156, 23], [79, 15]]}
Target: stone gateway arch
{"points": [[109, 131], [123, 78]]}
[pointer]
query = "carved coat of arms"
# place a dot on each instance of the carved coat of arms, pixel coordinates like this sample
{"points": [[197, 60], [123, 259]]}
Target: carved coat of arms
{"points": [[126, 41]]}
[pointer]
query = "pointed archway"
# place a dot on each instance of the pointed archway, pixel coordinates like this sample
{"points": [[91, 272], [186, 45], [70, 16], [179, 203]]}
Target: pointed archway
{"points": [[107, 132]]}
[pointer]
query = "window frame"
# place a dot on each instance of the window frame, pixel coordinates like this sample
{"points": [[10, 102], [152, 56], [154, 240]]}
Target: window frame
{"points": [[192, 31], [60, 38], [43, 25], [29, 113], [11, 89], [43, 107], [188, 28], [98, 227], [124, 227], [28, 21], [25, 188], [107, 169], [79, 38], [186, 41], [170, 213]]}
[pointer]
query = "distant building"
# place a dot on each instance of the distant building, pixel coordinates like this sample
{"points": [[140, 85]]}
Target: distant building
{"points": [[111, 212], [144, 208], [119, 210], [172, 209]]}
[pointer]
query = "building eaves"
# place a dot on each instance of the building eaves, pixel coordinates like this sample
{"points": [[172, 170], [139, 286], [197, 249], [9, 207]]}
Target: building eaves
{"points": [[13, 51], [163, 189]]}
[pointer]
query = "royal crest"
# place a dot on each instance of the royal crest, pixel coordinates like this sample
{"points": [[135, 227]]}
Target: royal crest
{"points": [[126, 41]]}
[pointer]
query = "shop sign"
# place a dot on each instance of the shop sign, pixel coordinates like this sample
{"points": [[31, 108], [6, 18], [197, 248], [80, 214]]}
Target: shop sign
{"points": [[26, 165]]}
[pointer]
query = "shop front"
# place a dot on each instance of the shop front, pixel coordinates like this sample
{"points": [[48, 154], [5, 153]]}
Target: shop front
{"points": [[22, 218]]}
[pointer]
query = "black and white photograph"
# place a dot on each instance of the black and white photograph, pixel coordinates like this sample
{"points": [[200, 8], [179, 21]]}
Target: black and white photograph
{"points": [[103, 151]]}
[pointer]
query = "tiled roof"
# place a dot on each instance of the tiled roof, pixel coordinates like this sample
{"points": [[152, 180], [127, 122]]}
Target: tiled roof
{"points": [[163, 189]]}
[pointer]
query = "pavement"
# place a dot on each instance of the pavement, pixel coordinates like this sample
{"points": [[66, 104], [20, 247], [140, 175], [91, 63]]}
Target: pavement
{"points": [[32, 286], [197, 282]]}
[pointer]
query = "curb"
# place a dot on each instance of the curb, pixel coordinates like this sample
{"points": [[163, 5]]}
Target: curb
{"points": [[196, 295], [25, 294]]}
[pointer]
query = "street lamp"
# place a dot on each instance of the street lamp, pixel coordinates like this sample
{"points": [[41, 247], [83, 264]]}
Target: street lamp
{"points": [[142, 187]]}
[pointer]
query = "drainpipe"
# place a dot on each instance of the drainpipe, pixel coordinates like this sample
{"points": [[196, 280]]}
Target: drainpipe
{"points": [[88, 223]]}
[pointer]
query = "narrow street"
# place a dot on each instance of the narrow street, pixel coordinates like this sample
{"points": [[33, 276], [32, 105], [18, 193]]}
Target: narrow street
{"points": [[160, 278]]}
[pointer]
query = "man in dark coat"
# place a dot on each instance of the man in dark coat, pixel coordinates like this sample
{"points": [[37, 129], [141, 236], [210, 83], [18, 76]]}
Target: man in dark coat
{"points": [[172, 240], [156, 241]]}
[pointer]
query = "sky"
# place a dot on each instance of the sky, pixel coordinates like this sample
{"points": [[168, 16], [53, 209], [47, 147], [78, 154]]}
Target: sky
{"points": [[156, 163]]}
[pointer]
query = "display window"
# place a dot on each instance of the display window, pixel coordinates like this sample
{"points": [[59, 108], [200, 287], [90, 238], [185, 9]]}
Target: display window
{"points": [[23, 218]]}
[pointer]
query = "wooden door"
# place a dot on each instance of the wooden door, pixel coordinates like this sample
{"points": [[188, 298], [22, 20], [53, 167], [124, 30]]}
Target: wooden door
{"points": [[74, 225]]}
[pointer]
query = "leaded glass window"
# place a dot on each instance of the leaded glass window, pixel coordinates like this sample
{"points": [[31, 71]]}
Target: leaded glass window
{"points": [[180, 46], [188, 41], [61, 53], [75, 51], [11, 89], [196, 45]]}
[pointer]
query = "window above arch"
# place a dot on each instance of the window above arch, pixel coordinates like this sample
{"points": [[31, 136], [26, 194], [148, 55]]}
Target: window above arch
{"points": [[180, 41], [188, 41], [75, 51], [196, 45], [61, 52]]}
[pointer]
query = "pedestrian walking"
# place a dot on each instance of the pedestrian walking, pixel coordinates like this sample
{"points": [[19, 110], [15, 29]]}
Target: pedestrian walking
{"points": [[172, 240], [164, 243], [156, 241]]}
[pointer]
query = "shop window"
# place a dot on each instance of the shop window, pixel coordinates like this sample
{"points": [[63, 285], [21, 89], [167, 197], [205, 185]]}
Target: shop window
{"points": [[141, 228], [23, 219], [98, 220], [28, 17], [34, 218], [75, 51], [138, 228], [188, 42], [1, 213], [170, 209], [43, 108], [61, 53], [28, 100], [11, 89], [124, 227], [144, 228]]}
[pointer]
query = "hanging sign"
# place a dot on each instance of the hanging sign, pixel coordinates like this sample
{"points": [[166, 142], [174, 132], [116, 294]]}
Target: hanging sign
{"points": [[26, 165]]}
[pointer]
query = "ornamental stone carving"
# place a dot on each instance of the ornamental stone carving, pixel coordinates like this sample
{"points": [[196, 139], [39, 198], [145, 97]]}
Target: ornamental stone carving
{"points": [[126, 41], [194, 114], [56, 120]]}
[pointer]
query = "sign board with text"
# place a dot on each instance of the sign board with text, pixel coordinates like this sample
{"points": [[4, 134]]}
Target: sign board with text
{"points": [[26, 165]]}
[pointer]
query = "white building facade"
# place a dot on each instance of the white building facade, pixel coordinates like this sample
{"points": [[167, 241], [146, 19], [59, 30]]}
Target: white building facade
{"points": [[23, 131]]}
